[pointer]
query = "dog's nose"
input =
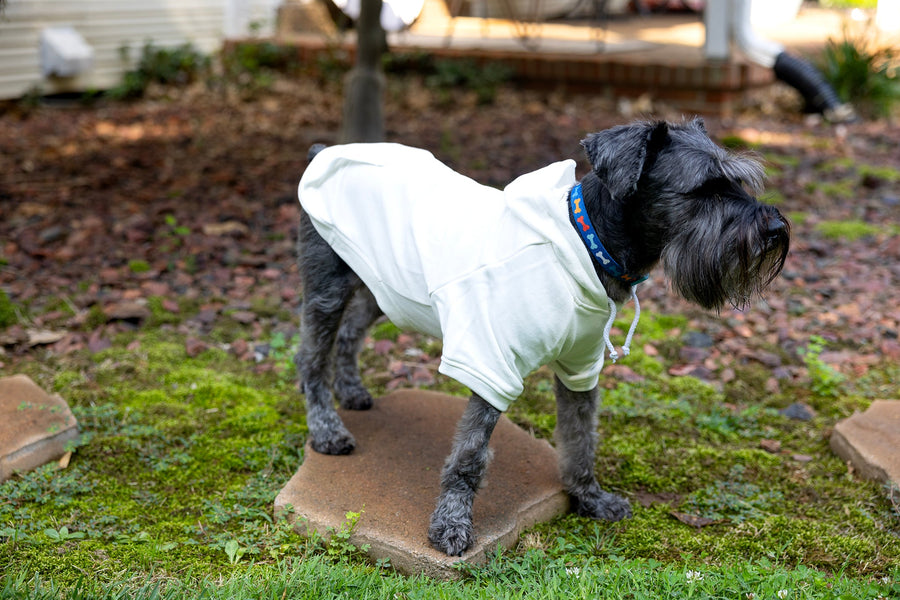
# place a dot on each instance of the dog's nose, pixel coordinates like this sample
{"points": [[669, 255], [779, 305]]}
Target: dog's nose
{"points": [[774, 225]]}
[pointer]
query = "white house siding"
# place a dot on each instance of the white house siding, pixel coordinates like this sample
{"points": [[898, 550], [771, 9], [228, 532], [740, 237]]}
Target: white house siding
{"points": [[109, 25]]}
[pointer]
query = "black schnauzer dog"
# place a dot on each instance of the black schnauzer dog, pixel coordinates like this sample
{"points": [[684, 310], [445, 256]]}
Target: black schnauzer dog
{"points": [[511, 280]]}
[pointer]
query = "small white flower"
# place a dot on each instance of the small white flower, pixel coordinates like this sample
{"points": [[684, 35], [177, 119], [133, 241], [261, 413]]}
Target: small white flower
{"points": [[751, 596], [693, 576], [782, 594], [573, 571]]}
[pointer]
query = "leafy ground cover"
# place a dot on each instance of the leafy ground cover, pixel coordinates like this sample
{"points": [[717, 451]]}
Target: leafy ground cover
{"points": [[147, 275]]}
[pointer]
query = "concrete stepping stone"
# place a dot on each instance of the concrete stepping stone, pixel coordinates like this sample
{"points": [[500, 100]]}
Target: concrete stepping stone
{"points": [[393, 478], [34, 425], [870, 441]]}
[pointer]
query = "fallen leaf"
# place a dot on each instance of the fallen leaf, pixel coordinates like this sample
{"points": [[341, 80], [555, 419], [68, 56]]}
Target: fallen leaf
{"points": [[648, 499], [383, 347], [13, 336], [97, 342], [127, 311], [422, 376], [243, 316], [743, 331], [42, 337], [398, 369], [681, 370], [395, 383], [193, 346], [623, 373], [233, 228], [693, 520], [771, 446], [64, 460], [241, 349]]}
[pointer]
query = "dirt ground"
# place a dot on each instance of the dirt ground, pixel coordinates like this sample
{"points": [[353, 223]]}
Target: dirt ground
{"points": [[184, 204]]}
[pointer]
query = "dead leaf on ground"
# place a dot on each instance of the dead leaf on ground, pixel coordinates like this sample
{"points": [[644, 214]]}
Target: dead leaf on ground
{"points": [[235, 228], [693, 520], [43, 337]]}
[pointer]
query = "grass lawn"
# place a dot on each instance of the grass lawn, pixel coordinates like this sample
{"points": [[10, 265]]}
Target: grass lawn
{"points": [[169, 491]]}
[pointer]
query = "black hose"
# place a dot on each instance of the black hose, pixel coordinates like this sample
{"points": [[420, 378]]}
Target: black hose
{"points": [[800, 74]]}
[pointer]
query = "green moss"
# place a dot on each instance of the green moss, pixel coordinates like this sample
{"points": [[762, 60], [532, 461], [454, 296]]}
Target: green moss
{"points": [[96, 317], [797, 217], [773, 198], [385, 330], [653, 326], [736, 142], [847, 230], [138, 266], [782, 161], [8, 311], [844, 188], [889, 174], [268, 307]]}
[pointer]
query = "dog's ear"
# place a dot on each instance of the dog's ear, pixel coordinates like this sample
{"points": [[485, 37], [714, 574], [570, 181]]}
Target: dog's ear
{"points": [[700, 124], [619, 155]]}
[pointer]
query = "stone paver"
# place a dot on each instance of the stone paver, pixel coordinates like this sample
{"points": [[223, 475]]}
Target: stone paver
{"points": [[393, 477], [870, 441], [34, 425]]}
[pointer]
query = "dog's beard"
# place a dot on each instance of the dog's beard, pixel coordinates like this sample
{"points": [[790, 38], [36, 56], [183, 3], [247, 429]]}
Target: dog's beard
{"points": [[727, 257]]}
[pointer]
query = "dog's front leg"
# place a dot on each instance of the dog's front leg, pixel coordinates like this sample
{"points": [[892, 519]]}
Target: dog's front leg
{"points": [[576, 442], [451, 522]]}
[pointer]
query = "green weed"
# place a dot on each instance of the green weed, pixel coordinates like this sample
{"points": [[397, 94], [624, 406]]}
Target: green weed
{"points": [[862, 75], [9, 312], [63, 534], [339, 547], [282, 350], [168, 66], [825, 380], [484, 80]]}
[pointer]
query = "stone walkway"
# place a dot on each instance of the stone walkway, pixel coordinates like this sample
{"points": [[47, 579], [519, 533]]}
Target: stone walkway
{"points": [[393, 478], [34, 425], [870, 441]]}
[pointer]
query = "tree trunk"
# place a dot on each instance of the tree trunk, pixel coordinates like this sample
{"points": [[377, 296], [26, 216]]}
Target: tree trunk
{"points": [[363, 120]]}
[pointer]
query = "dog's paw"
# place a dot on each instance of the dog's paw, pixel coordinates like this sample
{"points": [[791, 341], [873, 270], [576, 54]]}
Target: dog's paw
{"points": [[339, 443], [602, 506], [354, 398], [453, 539]]}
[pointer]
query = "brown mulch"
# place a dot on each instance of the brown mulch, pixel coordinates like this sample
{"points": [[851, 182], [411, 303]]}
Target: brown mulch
{"points": [[191, 196]]}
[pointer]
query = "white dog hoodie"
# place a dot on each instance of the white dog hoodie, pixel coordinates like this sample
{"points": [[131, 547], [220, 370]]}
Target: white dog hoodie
{"points": [[502, 277]]}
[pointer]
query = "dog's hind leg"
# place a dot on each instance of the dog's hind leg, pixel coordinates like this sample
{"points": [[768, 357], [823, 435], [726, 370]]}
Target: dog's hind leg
{"points": [[328, 285], [451, 522], [576, 442], [361, 312]]}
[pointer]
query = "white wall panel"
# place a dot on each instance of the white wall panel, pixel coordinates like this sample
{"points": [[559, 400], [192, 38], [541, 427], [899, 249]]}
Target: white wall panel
{"points": [[108, 25]]}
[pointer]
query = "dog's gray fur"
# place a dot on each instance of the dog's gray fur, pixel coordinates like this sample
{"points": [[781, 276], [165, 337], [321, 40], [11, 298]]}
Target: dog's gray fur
{"points": [[658, 193]]}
